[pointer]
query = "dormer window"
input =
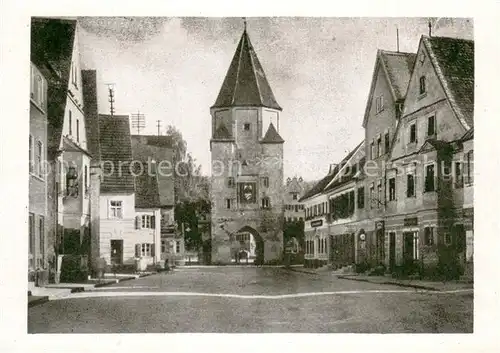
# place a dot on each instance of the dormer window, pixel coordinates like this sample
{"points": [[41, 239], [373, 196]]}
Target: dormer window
{"points": [[246, 127]]}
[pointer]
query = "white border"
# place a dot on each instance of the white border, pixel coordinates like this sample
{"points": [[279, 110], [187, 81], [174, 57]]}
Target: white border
{"points": [[14, 110]]}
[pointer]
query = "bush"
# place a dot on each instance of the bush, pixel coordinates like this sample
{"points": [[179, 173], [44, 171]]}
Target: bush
{"points": [[72, 270], [378, 270], [362, 267]]}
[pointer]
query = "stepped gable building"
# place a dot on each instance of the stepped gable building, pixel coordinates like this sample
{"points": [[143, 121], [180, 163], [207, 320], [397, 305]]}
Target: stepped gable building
{"points": [[247, 153]]}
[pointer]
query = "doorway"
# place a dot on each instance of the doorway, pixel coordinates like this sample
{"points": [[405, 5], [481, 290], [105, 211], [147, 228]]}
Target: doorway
{"points": [[392, 251], [116, 251]]}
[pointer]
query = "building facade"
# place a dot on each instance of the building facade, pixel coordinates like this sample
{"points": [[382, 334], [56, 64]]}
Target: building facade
{"points": [[413, 209], [247, 170], [55, 52], [427, 218], [294, 190], [38, 174], [159, 153]]}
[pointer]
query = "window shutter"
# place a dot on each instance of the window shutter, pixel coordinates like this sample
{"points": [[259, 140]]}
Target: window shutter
{"points": [[138, 222], [153, 222], [152, 250], [137, 250]]}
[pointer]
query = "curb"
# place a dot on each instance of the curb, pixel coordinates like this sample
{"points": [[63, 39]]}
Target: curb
{"points": [[119, 280], [416, 286], [39, 301], [300, 271]]}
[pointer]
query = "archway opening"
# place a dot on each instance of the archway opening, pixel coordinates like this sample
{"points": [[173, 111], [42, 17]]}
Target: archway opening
{"points": [[249, 246]]}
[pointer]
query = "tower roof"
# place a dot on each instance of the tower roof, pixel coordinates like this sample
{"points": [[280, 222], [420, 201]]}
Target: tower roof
{"points": [[245, 83], [272, 136]]}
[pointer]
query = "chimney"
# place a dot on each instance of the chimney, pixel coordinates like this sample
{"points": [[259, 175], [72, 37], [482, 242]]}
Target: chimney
{"points": [[332, 168]]}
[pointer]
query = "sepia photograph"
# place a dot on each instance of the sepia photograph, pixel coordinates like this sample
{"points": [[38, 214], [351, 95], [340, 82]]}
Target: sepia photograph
{"points": [[250, 175]]}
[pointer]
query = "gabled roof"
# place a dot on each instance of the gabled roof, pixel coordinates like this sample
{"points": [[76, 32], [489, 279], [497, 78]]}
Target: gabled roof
{"points": [[272, 136], [89, 83], [323, 183], [51, 51], [71, 146], [453, 60], [245, 83], [155, 140], [294, 186], [116, 154], [146, 189], [353, 168], [397, 68]]}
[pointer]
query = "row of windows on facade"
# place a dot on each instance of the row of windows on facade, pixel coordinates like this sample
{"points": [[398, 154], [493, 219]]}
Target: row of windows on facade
{"points": [[36, 259], [343, 206], [264, 181], [148, 249], [321, 247], [294, 208], [293, 219], [265, 202], [429, 239], [376, 149]]}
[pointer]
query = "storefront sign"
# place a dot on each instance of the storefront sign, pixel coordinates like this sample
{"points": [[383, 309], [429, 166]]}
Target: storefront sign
{"points": [[411, 221], [317, 223]]}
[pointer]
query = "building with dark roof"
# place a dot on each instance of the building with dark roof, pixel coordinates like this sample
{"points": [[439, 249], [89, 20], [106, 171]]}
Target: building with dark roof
{"points": [[424, 215], [247, 192], [56, 54]]}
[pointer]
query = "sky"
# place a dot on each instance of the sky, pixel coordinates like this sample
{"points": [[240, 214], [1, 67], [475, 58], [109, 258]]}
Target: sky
{"points": [[320, 69]]}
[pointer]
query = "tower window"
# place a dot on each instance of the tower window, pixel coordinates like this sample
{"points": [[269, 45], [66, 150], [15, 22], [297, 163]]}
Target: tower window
{"points": [[265, 202], [246, 127]]}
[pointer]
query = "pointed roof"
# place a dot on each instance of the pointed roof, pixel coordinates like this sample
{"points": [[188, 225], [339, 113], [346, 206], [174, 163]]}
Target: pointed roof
{"points": [[453, 60], [272, 136], [397, 67], [245, 83]]}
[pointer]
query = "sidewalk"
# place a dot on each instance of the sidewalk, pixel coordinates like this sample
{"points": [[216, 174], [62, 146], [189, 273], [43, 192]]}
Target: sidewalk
{"points": [[411, 283], [40, 295]]}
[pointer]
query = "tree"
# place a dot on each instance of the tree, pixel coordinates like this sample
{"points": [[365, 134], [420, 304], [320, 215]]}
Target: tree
{"points": [[191, 190]]}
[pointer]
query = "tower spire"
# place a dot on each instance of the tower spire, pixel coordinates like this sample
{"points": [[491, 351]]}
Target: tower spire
{"points": [[244, 24]]}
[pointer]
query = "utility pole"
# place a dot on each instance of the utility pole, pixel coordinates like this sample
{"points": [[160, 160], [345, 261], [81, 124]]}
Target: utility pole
{"points": [[111, 99], [138, 121]]}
